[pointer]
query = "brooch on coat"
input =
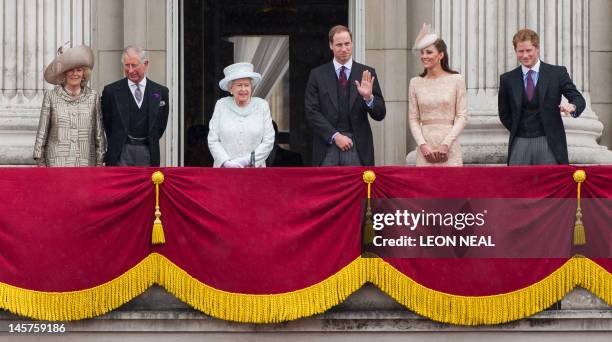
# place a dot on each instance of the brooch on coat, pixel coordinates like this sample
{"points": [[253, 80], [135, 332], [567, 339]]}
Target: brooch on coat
{"points": [[157, 96]]}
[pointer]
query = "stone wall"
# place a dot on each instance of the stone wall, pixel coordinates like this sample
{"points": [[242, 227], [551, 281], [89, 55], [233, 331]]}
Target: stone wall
{"points": [[119, 23], [601, 65], [366, 315]]}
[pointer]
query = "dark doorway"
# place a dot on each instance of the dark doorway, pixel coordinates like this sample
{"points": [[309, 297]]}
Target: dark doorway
{"points": [[210, 28]]}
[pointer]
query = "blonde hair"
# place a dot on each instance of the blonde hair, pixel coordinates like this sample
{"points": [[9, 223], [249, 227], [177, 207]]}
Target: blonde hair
{"points": [[86, 75]]}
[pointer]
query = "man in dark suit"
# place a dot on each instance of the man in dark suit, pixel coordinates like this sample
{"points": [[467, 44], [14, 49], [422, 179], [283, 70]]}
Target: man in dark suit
{"points": [[135, 113], [530, 105], [338, 104]]}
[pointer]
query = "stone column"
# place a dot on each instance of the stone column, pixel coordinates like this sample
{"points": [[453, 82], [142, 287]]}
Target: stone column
{"points": [[387, 50], [479, 36], [150, 29], [31, 32]]}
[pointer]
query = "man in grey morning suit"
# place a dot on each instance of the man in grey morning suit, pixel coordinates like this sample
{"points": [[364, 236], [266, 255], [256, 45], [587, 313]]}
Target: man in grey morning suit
{"points": [[135, 112], [338, 104], [530, 105]]}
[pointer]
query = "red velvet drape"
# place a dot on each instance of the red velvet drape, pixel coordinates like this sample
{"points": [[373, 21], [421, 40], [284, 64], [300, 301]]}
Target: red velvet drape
{"points": [[255, 231]]}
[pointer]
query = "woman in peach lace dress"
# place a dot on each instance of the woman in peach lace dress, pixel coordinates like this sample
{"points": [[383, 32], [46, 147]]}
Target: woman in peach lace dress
{"points": [[437, 111]]}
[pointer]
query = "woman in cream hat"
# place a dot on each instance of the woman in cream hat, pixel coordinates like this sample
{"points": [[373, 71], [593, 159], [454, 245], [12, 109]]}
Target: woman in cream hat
{"points": [[70, 131], [437, 110], [240, 131]]}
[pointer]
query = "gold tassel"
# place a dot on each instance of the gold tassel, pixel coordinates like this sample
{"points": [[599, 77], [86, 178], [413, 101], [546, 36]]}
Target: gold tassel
{"points": [[368, 231], [157, 236], [579, 234]]}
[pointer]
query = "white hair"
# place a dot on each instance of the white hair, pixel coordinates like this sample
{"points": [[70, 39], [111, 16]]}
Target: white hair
{"points": [[248, 78], [137, 51]]}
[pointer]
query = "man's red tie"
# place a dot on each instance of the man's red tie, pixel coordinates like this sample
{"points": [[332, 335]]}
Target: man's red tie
{"points": [[530, 89], [342, 77]]}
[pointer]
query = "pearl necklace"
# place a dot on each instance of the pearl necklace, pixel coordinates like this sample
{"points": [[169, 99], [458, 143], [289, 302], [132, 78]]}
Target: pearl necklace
{"points": [[73, 94]]}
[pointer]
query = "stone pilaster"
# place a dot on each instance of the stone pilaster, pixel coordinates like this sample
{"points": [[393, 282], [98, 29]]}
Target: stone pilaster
{"points": [[387, 50], [31, 32]]}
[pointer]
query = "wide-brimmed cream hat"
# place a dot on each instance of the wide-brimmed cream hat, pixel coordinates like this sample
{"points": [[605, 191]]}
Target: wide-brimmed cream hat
{"points": [[237, 71], [424, 38], [78, 56]]}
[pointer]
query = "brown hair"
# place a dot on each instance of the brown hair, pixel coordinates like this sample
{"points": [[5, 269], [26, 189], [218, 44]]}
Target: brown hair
{"points": [[441, 47], [526, 35], [338, 29]]}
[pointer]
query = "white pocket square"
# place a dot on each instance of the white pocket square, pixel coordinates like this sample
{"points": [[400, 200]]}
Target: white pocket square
{"points": [[162, 103]]}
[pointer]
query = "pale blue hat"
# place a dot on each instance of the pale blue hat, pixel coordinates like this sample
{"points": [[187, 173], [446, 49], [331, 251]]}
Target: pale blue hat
{"points": [[237, 71]]}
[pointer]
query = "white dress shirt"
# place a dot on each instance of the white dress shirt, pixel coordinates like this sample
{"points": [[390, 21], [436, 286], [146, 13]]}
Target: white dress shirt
{"points": [[536, 73], [348, 66]]}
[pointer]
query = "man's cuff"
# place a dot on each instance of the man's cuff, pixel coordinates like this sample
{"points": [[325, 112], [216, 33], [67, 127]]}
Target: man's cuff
{"points": [[333, 138], [370, 103], [573, 114]]}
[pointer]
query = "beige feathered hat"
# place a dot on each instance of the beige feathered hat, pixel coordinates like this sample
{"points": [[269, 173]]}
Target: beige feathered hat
{"points": [[78, 56], [424, 38]]}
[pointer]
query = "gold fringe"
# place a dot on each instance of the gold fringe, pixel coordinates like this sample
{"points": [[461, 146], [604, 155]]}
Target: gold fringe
{"points": [[438, 306], [597, 280], [95, 301], [274, 308], [495, 309]]}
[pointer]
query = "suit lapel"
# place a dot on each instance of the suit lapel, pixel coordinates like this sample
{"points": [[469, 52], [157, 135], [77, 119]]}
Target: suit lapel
{"points": [[518, 87], [542, 85], [331, 83], [153, 104], [122, 98], [356, 70]]}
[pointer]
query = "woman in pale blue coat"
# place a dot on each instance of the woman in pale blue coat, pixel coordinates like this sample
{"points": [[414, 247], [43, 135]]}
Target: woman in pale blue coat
{"points": [[240, 131]]}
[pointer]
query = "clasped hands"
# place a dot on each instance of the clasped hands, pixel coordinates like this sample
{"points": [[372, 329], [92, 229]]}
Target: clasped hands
{"points": [[238, 163], [439, 155]]}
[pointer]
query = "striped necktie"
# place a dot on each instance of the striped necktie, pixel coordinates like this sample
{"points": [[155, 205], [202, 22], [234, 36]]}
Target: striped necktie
{"points": [[138, 93]]}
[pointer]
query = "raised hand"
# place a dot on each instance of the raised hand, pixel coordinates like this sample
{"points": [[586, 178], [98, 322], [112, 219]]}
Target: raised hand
{"points": [[365, 87]]}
